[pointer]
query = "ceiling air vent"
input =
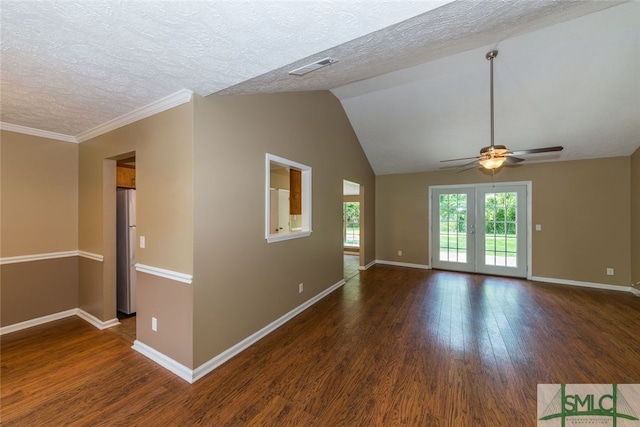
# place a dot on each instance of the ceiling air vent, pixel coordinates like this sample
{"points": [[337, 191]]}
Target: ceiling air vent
{"points": [[313, 66]]}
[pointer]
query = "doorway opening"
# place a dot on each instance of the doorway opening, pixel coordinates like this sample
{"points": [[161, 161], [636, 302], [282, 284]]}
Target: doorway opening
{"points": [[352, 235], [126, 245], [481, 228]]}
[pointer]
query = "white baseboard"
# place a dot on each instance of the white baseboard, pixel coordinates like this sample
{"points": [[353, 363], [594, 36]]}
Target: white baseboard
{"points": [[57, 316], [218, 360], [164, 361], [403, 264], [635, 291], [95, 321], [582, 284], [368, 266], [194, 375], [37, 321]]}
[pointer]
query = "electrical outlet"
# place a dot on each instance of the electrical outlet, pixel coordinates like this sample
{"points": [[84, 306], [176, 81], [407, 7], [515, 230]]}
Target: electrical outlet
{"points": [[609, 271], [142, 242], [154, 324], [399, 253], [300, 288], [538, 227]]}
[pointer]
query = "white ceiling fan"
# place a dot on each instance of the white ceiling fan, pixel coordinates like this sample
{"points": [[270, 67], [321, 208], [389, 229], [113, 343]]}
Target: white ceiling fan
{"points": [[494, 156]]}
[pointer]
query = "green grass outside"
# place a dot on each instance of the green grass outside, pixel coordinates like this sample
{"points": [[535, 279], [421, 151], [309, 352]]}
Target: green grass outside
{"points": [[492, 244]]}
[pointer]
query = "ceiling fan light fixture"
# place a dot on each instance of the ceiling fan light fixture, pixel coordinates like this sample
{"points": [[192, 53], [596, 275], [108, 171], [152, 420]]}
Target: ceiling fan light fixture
{"points": [[492, 162]]}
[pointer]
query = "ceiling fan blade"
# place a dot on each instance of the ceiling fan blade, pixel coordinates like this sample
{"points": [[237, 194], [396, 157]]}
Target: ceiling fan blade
{"points": [[457, 160], [537, 150], [466, 165], [512, 159]]}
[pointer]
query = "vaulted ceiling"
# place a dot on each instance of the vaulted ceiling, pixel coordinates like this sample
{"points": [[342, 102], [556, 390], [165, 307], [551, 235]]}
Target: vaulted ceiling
{"points": [[411, 75]]}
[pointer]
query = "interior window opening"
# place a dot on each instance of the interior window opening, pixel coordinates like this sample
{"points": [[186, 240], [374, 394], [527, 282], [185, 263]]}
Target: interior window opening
{"points": [[288, 200]]}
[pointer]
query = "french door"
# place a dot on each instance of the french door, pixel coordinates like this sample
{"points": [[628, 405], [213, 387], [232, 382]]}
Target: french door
{"points": [[482, 229]]}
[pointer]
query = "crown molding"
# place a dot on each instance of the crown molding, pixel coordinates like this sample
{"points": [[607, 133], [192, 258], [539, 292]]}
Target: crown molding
{"points": [[181, 97], [37, 132], [178, 98]]}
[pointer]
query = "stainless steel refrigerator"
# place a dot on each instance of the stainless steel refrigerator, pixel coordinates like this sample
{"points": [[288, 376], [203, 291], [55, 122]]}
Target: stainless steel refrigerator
{"points": [[126, 250]]}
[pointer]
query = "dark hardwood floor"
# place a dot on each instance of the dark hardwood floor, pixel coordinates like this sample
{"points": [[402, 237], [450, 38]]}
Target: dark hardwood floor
{"points": [[394, 346]]}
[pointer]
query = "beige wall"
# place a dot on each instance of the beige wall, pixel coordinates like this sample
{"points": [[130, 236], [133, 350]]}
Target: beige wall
{"points": [[37, 288], [39, 187], [170, 302], [241, 282], [635, 218], [38, 210], [163, 148], [90, 294], [583, 207], [163, 145]]}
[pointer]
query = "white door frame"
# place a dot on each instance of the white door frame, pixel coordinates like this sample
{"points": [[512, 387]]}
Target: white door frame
{"points": [[497, 185]]}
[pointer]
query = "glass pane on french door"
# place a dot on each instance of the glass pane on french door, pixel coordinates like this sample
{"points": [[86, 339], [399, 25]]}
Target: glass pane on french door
{"points": [[501, 232], [502, 243], [453, 218]]}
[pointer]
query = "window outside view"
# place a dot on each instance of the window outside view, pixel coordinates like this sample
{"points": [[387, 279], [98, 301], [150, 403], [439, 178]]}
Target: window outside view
{"points": [[500, 228], [501, 236], [351, 229], [453, 227]]}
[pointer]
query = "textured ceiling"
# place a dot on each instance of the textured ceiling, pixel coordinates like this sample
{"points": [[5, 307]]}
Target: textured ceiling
{"points": [[411, 74], [69, 66], [450, 29]]}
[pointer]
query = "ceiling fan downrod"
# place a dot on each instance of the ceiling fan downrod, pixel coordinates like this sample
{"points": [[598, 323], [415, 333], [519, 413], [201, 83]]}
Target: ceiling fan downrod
{"points": [[492, 157], [490, 56]]}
